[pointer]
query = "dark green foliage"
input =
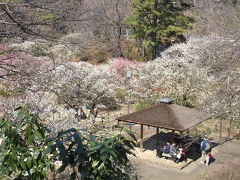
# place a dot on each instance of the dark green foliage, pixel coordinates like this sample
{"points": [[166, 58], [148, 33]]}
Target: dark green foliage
{"points": [[22, 148], [27, 153], [93, 157], [155, 22]]}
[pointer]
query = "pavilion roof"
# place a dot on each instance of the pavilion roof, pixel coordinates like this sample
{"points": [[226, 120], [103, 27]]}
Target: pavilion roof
{"points": [[167, 116]]}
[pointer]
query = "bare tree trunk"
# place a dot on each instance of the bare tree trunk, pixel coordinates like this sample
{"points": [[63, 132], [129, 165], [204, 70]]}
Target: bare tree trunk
{"points": [[154, 52], [119, 29], [220, 132], [229, 129]]}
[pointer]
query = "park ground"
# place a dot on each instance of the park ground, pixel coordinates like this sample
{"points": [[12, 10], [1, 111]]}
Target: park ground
{"points": [[149, 167]]}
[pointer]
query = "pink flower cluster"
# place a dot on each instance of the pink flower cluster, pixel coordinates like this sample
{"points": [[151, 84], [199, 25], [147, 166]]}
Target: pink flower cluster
{"points": [[20, 61], [122, 63], [4, 47], [6, 57]]}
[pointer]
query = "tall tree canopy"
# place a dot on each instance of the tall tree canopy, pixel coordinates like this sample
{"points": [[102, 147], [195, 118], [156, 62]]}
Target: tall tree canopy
{"points": [[41, 18], [156, 21]]}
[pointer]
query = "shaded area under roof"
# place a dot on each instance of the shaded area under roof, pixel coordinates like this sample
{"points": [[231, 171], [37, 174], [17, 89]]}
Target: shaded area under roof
{"points": [[167, 116]]}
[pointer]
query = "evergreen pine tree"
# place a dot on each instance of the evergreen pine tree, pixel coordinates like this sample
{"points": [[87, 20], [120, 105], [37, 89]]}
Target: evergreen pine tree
{"points": [[156, 21]]}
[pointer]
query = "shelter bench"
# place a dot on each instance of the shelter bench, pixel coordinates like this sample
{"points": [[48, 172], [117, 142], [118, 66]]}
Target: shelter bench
{"points": [[166, 155]]}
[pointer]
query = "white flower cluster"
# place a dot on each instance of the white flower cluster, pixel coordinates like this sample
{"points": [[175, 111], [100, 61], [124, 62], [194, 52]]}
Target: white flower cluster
{"points": [[178, 71], [70, 45], [38, 47], [183, 71]]}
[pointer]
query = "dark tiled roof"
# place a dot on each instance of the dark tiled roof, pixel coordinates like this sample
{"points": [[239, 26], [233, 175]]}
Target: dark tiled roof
{"points": [[167, 116]]}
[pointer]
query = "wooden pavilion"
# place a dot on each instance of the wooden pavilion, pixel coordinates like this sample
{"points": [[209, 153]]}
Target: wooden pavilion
{"points": [[166, 116]]}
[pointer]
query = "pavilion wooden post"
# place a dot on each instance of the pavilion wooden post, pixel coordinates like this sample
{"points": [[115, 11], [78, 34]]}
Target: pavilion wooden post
{"points": [[157, 135], [173, 134], [220, 133], [141, 136]]}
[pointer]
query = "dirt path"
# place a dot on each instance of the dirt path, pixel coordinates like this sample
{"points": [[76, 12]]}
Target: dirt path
{"points": [[151, 168]]}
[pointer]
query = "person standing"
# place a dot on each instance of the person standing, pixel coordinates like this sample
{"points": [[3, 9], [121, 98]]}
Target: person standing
{"points": [[206, 148]]}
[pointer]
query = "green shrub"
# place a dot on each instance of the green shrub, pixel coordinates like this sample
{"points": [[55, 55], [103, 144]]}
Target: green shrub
{"points": [[46, 17], [83, 56], [7, 90], [39, 51], [101, 56], [91, 157], [28, 152], [121, 95], [22, 147]]}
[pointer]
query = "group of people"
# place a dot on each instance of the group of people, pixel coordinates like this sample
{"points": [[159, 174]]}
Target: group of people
{"points": [[85, 112], [177, 152]]}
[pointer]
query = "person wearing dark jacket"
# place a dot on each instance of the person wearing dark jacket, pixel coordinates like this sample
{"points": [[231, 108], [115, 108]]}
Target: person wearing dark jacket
{"points": [[165, 149]]}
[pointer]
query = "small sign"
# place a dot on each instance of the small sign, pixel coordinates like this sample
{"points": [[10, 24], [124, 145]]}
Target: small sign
{"points": [[128, 74]]}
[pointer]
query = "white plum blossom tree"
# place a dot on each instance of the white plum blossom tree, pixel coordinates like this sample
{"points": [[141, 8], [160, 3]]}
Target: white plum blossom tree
{"points": [[188, 72]]}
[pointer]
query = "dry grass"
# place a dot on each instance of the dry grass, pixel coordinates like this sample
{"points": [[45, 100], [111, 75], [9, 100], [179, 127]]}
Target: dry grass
{"points": [[229, 172]]}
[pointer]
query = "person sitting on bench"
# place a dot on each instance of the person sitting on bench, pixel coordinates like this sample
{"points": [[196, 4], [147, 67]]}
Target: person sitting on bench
{"points": [[181, 153], [165, 149], [173, 152]]}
